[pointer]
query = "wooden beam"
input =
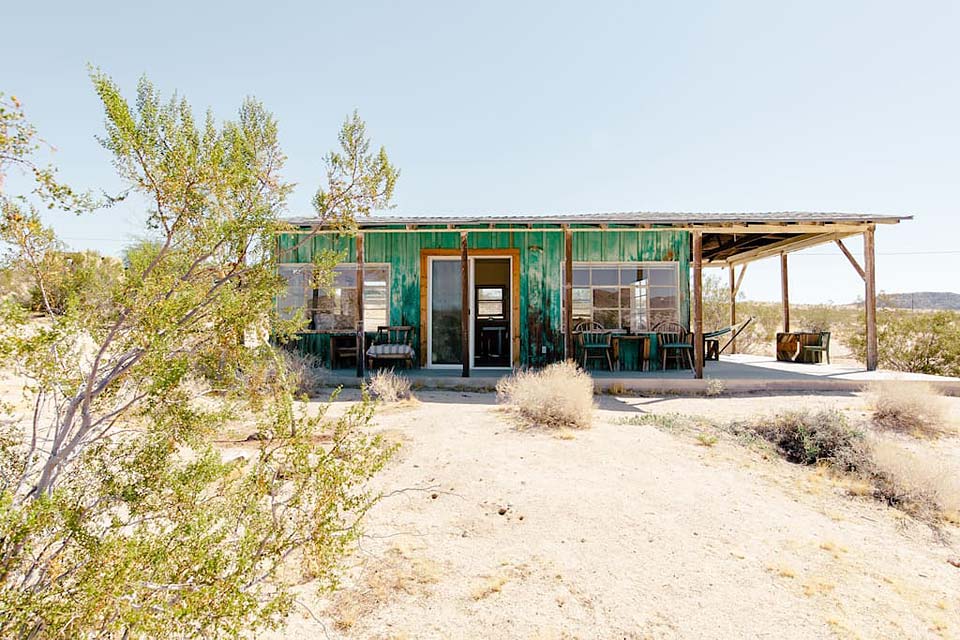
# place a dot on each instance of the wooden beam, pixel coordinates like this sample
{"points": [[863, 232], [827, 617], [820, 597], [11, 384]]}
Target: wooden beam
{"points": [[697, 304], [853, 261], [788, 246], [870, 299], [733, 304], [785, 292], [464, 305], [568, 294], [743, 271], [361, 356]]}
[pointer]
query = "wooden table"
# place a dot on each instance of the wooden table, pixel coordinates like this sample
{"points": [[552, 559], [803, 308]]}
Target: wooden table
{"points": [[790, 347], [644, 341]]}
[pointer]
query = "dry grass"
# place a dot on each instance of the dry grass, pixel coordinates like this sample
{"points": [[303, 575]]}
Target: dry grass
{"points": [[399, 572], [914, 409], [811, 437], [387, 386], [490, 585], [307, 370], [918, 483], [559, 395]]}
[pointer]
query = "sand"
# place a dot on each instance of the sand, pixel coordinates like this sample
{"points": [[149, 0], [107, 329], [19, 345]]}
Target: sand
{"points": [[625, 531]]}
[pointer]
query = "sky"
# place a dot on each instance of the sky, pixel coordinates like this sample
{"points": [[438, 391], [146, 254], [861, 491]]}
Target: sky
{"points": [[552, 107]]}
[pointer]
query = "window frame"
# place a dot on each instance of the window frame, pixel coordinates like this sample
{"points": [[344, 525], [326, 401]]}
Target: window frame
{"points": [[308, 292], [619, 266]]}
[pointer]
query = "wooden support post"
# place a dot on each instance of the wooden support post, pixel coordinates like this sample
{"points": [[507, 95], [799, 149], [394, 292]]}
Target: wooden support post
{"points": [[698, 304], [733, 306], [464, 305], [785, 292], [568, 347], [870, 299], [361, 340]]}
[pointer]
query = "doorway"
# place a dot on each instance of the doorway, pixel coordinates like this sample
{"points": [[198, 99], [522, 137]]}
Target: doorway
{"points": [[490, 322]]}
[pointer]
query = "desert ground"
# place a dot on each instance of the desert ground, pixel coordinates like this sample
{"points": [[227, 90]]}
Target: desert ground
{"points": [[628, 530]]}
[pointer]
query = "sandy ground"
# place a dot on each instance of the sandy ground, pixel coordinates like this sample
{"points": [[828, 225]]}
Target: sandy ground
{"points": [[627, 531]]}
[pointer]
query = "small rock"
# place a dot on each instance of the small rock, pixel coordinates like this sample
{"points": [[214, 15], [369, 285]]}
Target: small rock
{"points": [[502, 510], [255, 437], [520, 518], [463, 535], [433, 496], [955, 562]]}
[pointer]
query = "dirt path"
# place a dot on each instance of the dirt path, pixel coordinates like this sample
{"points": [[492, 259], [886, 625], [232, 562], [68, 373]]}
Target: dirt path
{"points": [[627, 532]]}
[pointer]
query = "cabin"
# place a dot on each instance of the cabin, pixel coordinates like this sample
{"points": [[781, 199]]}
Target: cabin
{"points": [[501, 292]]}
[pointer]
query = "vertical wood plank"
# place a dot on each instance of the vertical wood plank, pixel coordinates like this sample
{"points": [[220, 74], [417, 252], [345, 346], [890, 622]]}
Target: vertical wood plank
{"points": [[698, 304], [870, 299], [785, 292], [568, 293], [464, 305], [360, 333]]}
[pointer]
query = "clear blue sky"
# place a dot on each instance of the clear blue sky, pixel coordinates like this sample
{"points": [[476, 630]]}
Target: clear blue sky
{"points": [[552, 107]]}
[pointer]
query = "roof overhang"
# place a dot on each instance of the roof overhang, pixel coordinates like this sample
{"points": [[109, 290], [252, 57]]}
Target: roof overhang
{"points": [[729, 239]]}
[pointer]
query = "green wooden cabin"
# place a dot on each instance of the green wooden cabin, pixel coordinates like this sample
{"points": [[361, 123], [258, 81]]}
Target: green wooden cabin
{"points": [[628, 272]]}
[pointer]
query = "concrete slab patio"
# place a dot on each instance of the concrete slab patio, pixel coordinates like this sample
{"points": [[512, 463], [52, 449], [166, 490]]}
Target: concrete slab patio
{"points": [[731, 374]]}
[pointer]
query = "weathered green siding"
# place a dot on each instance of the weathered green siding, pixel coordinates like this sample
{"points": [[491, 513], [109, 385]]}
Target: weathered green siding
{"points": [[541, 272]]}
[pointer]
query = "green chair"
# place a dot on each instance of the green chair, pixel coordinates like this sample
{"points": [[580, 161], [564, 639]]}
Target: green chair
{"points": [[596, 343], [675, 342], [822, 347]]}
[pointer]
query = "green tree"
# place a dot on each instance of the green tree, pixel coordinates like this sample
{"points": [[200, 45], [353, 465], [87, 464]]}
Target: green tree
{"points": [[117, 515]]}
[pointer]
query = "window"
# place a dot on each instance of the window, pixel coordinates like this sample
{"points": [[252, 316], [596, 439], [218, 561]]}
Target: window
{"points": [[334, 308], [634, 296], [490, 303]]}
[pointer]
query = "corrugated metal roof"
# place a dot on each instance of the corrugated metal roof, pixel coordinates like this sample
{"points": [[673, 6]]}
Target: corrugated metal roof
{"points": [[633, 217]]}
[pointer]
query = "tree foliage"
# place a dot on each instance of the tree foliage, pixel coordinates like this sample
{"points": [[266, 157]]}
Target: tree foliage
{"points": [[117, 515]]}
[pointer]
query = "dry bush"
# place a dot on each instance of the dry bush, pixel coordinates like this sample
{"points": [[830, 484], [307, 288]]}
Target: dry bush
{"points": [[918, 483], [307, 369], [812, 437], [913, 408], [387, 386], [559, 395]]}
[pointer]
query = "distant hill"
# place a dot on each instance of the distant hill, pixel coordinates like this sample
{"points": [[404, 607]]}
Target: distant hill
{"points": [[920, 300]]}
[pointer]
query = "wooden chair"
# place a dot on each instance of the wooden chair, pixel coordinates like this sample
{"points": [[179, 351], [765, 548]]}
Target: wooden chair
{"points": [[823, 346], [595, 342], [342, 348], [674, 341], [392, 343]]}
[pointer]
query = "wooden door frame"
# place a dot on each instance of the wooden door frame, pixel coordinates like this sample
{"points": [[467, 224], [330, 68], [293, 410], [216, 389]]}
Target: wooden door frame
{"points": [[513, 254]]}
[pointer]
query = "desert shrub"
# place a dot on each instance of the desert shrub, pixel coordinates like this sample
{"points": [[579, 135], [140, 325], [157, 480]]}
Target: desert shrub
{"points": [[387, 386], [915, 482], [81, 278], [812, 437], [559, 395], [912, 408], [307, 371], [915, 341]]}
